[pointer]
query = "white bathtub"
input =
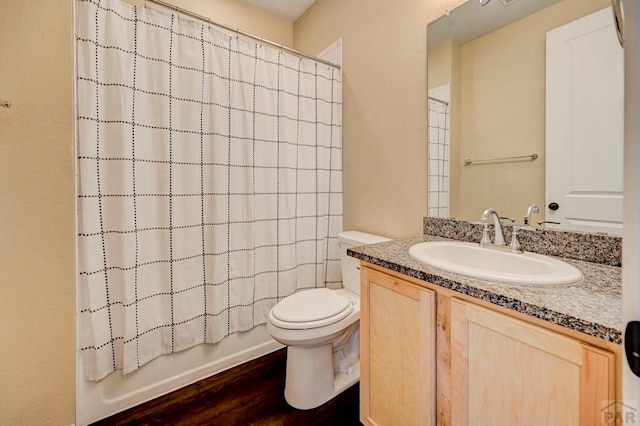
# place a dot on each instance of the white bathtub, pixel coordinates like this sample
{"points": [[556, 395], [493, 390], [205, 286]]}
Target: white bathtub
{"points": [[96, 400]]}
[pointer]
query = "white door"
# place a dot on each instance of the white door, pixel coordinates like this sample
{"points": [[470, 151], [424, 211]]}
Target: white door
{"points": [[584, 125], [631, 252]]}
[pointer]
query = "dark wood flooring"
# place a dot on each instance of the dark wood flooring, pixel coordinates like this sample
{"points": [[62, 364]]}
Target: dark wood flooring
{"points": [[249, 394]]}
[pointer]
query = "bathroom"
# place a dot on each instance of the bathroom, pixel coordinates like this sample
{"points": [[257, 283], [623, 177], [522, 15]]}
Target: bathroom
{"points": [[384, 128]]}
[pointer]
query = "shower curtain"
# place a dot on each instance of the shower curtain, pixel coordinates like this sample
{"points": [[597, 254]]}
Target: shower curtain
{"points": [[209, 187], [438, 152]]}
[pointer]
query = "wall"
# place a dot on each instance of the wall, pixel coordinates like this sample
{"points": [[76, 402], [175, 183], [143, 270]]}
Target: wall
{"points": [[36, 188], [440, 66], [503, 111], [384, 105], [239, 15], [37, 366]]}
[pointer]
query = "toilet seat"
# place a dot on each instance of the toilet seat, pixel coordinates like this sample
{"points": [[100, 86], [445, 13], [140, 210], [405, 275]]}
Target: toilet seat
{"points": [[310, 309]]}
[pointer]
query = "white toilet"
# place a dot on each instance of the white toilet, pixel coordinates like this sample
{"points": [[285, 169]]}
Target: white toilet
{"points": [[321, 329]]}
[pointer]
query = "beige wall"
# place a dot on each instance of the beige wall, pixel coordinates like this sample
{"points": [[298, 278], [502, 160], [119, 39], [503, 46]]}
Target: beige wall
{"points": [[503, 113], [36, 219], [239, 15], [384, 105], [37, 368], [440, 65]]}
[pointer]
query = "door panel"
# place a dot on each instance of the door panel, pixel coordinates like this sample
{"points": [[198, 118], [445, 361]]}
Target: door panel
{"points": [[584, 125], [508, 372], [397, 363], [631, 253]]}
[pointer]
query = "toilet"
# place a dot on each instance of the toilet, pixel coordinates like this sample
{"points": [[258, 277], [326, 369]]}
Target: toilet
{"points": [[321, 329]]}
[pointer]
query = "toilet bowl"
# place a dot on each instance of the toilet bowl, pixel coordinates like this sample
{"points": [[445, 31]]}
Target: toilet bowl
{"points": [[321, 329]]}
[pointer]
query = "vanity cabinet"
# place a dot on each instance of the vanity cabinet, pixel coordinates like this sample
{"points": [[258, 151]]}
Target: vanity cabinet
{"points": [[505, 371], [397, 359], [490, 368]]}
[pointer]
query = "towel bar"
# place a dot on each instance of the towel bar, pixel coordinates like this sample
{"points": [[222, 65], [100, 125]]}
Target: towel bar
{"points": [[489, 160]]}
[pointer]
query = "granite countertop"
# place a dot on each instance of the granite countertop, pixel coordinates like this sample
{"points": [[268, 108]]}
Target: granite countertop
{"points": [[593, 307]]}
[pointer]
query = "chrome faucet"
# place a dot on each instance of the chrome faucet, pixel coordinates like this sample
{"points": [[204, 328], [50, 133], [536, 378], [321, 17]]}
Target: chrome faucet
{"points": [[533, 208], [498, 238]]}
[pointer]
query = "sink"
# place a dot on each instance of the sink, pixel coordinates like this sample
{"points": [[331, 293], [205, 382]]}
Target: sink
{"points": [[489, 264]]}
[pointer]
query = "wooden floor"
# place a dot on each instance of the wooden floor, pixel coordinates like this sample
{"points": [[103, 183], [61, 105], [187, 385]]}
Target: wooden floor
{"points": [[250, 394]]}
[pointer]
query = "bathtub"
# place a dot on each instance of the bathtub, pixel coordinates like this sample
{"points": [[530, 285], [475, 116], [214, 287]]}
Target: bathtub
{"points": [[115, 393]]}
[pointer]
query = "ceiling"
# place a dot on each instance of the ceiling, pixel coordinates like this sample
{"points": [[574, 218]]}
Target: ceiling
{"points": [[471, 20], [288, 9]]}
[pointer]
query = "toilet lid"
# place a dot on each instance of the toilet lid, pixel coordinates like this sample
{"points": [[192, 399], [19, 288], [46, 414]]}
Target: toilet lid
{"points": [[310, 308]]}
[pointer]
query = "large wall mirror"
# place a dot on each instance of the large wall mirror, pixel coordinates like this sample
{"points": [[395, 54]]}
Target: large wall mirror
{"points": [[526, 107]]}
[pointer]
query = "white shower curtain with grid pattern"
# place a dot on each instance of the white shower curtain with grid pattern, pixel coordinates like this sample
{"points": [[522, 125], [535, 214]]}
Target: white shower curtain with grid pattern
{"points": [[210, 182], [439, 151]]}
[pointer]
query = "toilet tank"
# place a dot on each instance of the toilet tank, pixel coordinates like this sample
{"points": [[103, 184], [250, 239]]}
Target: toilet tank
{"points": [[350, 265]]}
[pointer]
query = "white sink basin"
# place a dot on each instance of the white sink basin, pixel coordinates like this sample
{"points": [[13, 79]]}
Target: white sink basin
{"points": [[484, 263]]}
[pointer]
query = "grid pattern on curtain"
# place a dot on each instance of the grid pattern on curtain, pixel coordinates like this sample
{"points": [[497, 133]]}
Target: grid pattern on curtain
{"points": [[210, 182], [438, 152]]}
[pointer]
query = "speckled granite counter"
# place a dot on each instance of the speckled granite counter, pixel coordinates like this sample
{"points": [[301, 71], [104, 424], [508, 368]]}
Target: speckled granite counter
{"points": [[593, 307]]}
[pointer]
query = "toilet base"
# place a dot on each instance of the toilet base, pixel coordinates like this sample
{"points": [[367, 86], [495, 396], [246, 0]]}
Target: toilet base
{"points": [[309, 382]]}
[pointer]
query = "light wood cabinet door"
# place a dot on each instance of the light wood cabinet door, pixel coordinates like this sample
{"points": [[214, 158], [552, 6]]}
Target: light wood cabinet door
{"points": [[397, 360], [507, 372]]}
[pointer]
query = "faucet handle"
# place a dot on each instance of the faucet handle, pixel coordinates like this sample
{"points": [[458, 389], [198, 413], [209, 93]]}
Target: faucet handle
{"points": [[508, 218], [486, 239], [544, 222], [515, 244]]}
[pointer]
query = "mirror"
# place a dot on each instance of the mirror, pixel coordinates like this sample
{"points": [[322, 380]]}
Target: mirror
{"points": [[488, 78]]}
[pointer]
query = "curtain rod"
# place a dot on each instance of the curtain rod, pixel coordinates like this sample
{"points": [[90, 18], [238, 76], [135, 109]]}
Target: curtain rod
{"points": [[194, 15]]}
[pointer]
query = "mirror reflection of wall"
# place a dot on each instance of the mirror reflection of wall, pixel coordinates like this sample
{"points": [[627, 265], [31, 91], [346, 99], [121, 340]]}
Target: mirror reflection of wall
{"points": [[496, 104]]}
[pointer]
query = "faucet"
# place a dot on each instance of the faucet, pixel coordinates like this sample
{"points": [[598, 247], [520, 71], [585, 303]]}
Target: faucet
{"points": [[533, 208], [498, 238]]}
